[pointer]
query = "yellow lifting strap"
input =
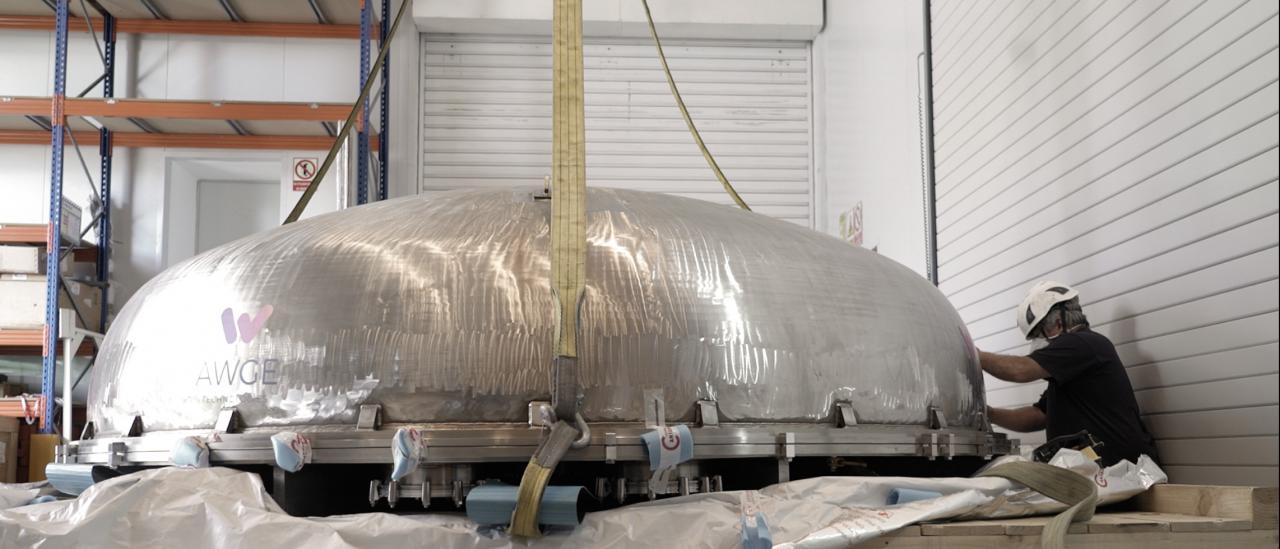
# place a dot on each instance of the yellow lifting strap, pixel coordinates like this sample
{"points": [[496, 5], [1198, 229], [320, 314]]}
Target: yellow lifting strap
{"points": [[568, 173], [568, 254], [1078, 493], [671, 82]]}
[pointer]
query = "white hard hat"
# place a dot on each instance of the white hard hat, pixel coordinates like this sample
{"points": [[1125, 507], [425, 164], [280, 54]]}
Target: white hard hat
{"points": [[1042, 297]]}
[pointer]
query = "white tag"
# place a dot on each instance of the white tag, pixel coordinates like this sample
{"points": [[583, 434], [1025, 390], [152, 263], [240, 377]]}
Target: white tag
{"points": [[667, 447]]}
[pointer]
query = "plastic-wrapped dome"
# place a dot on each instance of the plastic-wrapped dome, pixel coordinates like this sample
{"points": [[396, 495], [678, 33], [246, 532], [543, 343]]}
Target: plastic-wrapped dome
{"points": [[439, 308]]}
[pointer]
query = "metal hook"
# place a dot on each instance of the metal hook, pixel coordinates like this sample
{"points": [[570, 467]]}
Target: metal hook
{"points": [[585, 438]]}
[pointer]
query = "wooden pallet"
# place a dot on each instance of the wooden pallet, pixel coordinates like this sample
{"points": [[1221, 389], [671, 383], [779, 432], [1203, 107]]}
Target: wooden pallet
{"points": [[1170, 516]]}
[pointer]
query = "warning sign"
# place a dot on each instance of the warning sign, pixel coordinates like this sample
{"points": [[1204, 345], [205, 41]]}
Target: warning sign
{"points": [[304, 171]]}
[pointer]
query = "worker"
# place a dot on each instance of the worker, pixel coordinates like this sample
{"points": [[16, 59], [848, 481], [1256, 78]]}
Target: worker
{"points": [[1088, 387]]}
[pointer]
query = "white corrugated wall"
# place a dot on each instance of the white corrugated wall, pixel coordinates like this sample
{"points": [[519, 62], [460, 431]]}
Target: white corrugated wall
{"points": [[487, 118], [1128, 147]]}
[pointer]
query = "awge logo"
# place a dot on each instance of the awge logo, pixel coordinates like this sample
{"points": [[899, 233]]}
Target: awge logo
{"points": [[248, 326]]}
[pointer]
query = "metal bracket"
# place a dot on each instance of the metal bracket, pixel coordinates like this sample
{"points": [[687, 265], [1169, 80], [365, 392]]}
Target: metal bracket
{"points": [[393, 494], [117, 454], [620, 490], [936, 419], [370, 418], [655, 409], [541, 414], [394, 491], [89, 431], [135, 428], [610, 447], [931, 445], [375, 492], [845, 416], [708, 413], [228, 420], [786, 446], [987, 447]]}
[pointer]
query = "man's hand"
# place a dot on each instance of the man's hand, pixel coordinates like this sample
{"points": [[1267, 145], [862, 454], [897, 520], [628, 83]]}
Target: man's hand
{"points": [[1018, 369], [1018, 420]]}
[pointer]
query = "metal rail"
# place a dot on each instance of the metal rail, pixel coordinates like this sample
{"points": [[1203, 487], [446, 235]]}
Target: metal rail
{"points": [[471, 443]]}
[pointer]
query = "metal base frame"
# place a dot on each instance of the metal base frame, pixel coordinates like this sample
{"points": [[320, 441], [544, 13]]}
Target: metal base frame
{"points": [[609, 443]]}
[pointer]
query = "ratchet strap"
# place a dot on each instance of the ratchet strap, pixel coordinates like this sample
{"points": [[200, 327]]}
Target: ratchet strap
{"points": [[1078, 493], [568, 256], [724, 181]]}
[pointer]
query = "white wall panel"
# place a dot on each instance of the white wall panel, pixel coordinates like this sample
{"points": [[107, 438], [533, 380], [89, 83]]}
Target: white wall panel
{"points": [[486, 116], [869, 124], [1129, 148]]}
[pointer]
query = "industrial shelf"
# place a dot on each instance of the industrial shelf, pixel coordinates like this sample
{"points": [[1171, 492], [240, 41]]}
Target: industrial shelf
{"points": [[175, 124], [36, 235], [256, 125], [204, 28], [31, 343]]}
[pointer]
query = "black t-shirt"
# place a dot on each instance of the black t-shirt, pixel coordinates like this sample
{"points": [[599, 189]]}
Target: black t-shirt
{"points": [[1089, 390]]}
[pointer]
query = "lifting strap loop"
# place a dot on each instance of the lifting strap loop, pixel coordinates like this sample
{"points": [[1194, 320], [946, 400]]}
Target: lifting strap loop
{"points": [[1078, 493], [671, 82]]}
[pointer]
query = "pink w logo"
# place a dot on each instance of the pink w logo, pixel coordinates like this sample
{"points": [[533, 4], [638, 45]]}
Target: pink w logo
{"points": [[248, 327]]}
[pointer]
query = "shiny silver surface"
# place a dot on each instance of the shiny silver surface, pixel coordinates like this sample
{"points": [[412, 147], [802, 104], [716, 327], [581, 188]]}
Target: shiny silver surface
{"points": [[440, 309]]}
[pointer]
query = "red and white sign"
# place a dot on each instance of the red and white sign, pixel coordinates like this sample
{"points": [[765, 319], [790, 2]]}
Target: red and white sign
{"points": [[304, 171]]}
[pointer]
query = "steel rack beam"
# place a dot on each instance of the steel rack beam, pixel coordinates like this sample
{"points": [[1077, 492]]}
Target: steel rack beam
{"points": [[185, 140], [53, 242], [362, 120], [384, 107], [180, 110], [205, 28], [105, 152]]}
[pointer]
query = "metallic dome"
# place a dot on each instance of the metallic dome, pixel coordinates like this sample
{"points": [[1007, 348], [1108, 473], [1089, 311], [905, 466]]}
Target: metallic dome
{"points": [[439, 308]]}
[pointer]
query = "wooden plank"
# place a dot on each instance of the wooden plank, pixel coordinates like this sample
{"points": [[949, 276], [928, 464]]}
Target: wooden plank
{"points": [[1191, 523], [1255, 539], [1032, 526], [909, 531], [1107, 523], [1257, 505], [965, 528]]}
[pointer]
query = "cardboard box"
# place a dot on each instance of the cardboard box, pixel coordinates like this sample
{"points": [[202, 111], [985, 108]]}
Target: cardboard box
{"points": [[70, 222], [22, 302], [8, 449], [21, 260], [42, 452]]}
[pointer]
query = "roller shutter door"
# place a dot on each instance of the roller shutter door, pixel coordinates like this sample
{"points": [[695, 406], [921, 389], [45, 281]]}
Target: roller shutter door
{"points": [[1128, 148], [487, 118]]}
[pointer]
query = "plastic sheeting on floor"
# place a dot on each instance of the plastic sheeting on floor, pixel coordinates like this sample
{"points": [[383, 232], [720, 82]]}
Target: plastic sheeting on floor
{"points": [[218, 507]]}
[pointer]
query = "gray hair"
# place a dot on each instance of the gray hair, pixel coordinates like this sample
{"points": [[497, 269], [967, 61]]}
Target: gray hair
{"points": [[1068, 312]]}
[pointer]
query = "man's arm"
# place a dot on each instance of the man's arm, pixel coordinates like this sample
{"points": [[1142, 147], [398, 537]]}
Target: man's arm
{"points": [[1018, 420], [1018, 369]]}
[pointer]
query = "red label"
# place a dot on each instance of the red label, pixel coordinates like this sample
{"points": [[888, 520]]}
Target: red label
{"points": [[304, 171]]}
